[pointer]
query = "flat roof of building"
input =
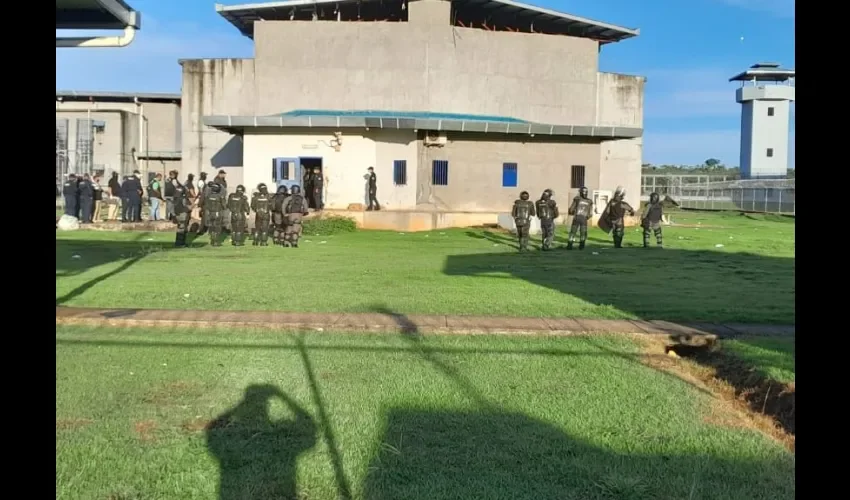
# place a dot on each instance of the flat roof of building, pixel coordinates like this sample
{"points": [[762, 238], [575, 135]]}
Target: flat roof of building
{"points": [[102, 96], [769, 72], [96, 15], [547, 20], [306, 118]]}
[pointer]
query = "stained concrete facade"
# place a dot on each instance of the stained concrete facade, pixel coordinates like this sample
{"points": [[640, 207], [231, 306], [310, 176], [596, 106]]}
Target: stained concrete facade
{"points": [[144, 136], [425, 64]]}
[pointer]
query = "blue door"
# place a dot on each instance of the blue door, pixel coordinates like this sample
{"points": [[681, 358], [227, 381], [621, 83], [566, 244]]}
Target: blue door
{"points": [[286, 172]]}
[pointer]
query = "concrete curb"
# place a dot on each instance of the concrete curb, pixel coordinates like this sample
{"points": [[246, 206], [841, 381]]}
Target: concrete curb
{"points": [[694, 334]]}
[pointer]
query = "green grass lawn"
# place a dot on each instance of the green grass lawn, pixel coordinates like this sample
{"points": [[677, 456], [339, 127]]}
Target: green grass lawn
{"points": [[772, 356], [149, 414], [727, 267]]}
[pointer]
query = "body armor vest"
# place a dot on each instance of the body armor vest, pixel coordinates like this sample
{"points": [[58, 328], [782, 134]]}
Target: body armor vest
{"points": [[261, 204], [295, 205], [583, 207], [544, 209]]}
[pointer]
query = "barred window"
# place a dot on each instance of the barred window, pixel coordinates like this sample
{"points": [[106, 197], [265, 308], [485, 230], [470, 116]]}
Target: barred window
{"points": [[440, 173], [577, 177]]}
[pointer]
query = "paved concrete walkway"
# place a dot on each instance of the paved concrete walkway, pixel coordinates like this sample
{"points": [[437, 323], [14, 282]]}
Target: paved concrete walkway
{"points": [[689, 333]]}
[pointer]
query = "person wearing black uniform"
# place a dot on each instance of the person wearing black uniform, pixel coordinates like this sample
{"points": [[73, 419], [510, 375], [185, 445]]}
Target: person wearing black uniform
{"points": [[317, 186], [182, 212], [214, 206], [70, 192], [373, 190], [132, 189], [86, 194], [261, 204], [237, 204]]}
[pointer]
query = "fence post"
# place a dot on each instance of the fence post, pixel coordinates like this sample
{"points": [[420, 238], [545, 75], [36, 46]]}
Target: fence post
{"points": [[765, 200], [753, 196], [779, 207]]}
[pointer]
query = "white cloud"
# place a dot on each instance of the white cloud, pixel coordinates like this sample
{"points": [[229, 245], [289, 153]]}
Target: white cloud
{"points": [[779, 8], [693, 148], [149, 63]]}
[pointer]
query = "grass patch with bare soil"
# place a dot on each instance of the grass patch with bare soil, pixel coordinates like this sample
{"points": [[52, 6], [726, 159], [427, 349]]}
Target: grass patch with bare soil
{"points": [[754, 373], [326, 416]]}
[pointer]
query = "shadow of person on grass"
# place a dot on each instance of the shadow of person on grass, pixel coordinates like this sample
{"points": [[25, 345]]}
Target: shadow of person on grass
{"points": [[503, 455], [257, 455]]}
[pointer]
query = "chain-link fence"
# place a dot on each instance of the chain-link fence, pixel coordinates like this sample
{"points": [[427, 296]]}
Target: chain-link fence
{"points": [[710, 193]]}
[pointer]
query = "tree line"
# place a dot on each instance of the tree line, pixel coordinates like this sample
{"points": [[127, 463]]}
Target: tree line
{"points": [[711, 166]]}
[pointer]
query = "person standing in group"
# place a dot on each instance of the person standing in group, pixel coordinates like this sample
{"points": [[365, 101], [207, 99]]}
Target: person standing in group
{"points": [[132, 189], [261, 203], [522, 212], [182, 208], [317, 187], [651, 218], [581, 209], [221, 180], [155, 196], [237, 204], [278, 219], [98, 199], [547, 212], [86, 194], [114, 187], [168, 195], [372, 180], [615, 214], [70, 191], [294, 208], [214, 205]]}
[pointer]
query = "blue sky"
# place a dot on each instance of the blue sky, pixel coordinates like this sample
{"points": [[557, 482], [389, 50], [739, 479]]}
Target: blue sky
{"points": [[687, 49]]}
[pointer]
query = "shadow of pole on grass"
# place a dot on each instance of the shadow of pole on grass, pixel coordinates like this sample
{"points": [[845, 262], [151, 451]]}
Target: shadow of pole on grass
{"points": [[343, 488], [257, 457], [411, 333], [101, 257]]}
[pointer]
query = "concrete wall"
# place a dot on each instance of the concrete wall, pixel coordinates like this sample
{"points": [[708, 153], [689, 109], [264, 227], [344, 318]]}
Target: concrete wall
{"points": [[114, 147], [759, 131], [215, 87], [620, 165], [620, 100], [344, 171], [109, 146], [475, 170], [424, 67]]}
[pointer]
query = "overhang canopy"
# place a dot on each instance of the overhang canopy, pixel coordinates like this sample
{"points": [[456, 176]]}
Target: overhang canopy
{"points": [[413, 121], [501, 12], [98, 96], [767, 72], [96, 15]]}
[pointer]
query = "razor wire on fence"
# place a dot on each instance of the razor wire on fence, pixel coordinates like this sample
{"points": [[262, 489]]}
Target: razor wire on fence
{"points": [[710, 193]]}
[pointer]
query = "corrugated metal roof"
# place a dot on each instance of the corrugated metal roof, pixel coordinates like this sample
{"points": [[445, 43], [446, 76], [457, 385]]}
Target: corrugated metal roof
{"points": [[95, 15], [243, 16], [413, 121], [116, 96], [395, 115]]}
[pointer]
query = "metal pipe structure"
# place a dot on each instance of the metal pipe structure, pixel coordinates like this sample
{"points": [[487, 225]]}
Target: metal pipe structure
{"points": [[98, 41]]}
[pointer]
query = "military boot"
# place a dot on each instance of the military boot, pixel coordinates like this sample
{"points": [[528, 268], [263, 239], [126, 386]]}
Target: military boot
{"points": [[581, 245], [569, 245]]}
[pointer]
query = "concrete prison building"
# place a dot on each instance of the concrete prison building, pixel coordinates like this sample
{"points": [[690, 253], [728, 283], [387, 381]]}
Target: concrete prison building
{"points": [[105, 132], [458, 105]]}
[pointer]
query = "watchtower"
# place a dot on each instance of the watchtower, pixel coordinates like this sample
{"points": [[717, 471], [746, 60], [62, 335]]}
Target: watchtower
{"points": [[765, 95]]}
